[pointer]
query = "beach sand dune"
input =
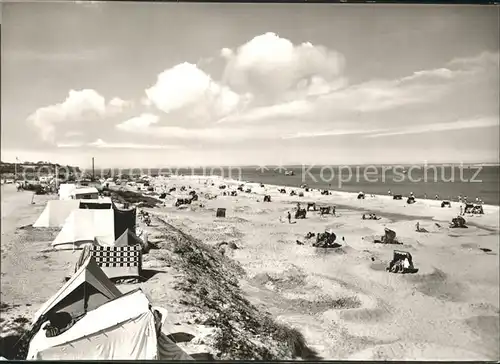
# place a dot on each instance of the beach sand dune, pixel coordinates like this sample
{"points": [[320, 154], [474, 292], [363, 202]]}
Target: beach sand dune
{"points": [[386, 316]]}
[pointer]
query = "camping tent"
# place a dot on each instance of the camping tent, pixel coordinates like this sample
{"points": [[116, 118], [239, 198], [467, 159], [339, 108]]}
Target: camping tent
{"points": [[128, 238], [121, 259], [65, 190], [84, 226], [123, 220], [118, 261], [88, 286], [120, 329], [85, 193], [94, 204], [55, 213]]}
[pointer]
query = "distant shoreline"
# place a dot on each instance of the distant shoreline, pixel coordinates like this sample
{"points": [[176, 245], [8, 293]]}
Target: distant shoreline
{"points": [[272, 166]]}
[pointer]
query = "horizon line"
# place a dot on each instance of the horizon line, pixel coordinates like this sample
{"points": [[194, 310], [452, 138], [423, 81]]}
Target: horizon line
{"points": [[270, 166], [291, 165]]}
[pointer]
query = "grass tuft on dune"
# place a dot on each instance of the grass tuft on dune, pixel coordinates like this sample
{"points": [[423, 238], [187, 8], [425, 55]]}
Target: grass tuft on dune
{"points": [[210, 284]]}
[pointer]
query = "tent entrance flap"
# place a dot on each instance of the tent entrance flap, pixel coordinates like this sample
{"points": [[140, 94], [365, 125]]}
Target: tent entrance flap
{"points": [[89, 286]]}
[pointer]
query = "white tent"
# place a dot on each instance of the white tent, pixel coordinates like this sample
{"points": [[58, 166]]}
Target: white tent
{"points": [[121, 329], [88, 286], [65, 190], [56, 212], [84, 225]]}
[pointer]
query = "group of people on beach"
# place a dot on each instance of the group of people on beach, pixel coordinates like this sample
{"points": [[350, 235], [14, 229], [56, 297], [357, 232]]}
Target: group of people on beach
{"points": [[460, 198]]}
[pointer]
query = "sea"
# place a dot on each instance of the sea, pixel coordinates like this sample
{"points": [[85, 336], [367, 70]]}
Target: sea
{"points": [[446, 181]]}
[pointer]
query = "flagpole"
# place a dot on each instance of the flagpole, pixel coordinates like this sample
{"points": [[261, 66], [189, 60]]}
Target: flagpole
{"points": [[57, 175], [15, 170]]}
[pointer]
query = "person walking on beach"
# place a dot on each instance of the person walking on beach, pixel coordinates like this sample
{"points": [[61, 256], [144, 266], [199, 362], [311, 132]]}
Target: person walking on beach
{"points": [[461, 210], [289, 217]]}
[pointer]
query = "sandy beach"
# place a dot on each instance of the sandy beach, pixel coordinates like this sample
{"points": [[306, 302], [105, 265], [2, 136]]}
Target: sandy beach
{"points": [[342, 300]]}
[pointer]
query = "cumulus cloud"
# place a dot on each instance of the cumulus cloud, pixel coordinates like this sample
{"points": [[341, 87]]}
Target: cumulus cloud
{"points": [[118, 105], [139, 122], [69, 144], [147, 124], [271, 66], [146, 102], [266, 70], [77, 106], [378, 96], [382, 95], [186, 88], [226, 52]]}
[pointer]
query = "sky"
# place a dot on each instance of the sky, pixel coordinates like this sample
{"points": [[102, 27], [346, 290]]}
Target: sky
{"points": [[153, 85]]}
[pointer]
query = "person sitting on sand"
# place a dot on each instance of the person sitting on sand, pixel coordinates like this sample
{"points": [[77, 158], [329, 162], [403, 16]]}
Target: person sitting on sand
{"points": [[406, 264]]}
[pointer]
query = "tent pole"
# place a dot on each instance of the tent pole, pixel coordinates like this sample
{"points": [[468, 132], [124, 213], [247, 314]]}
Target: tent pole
{"points": [[85, 298]]}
